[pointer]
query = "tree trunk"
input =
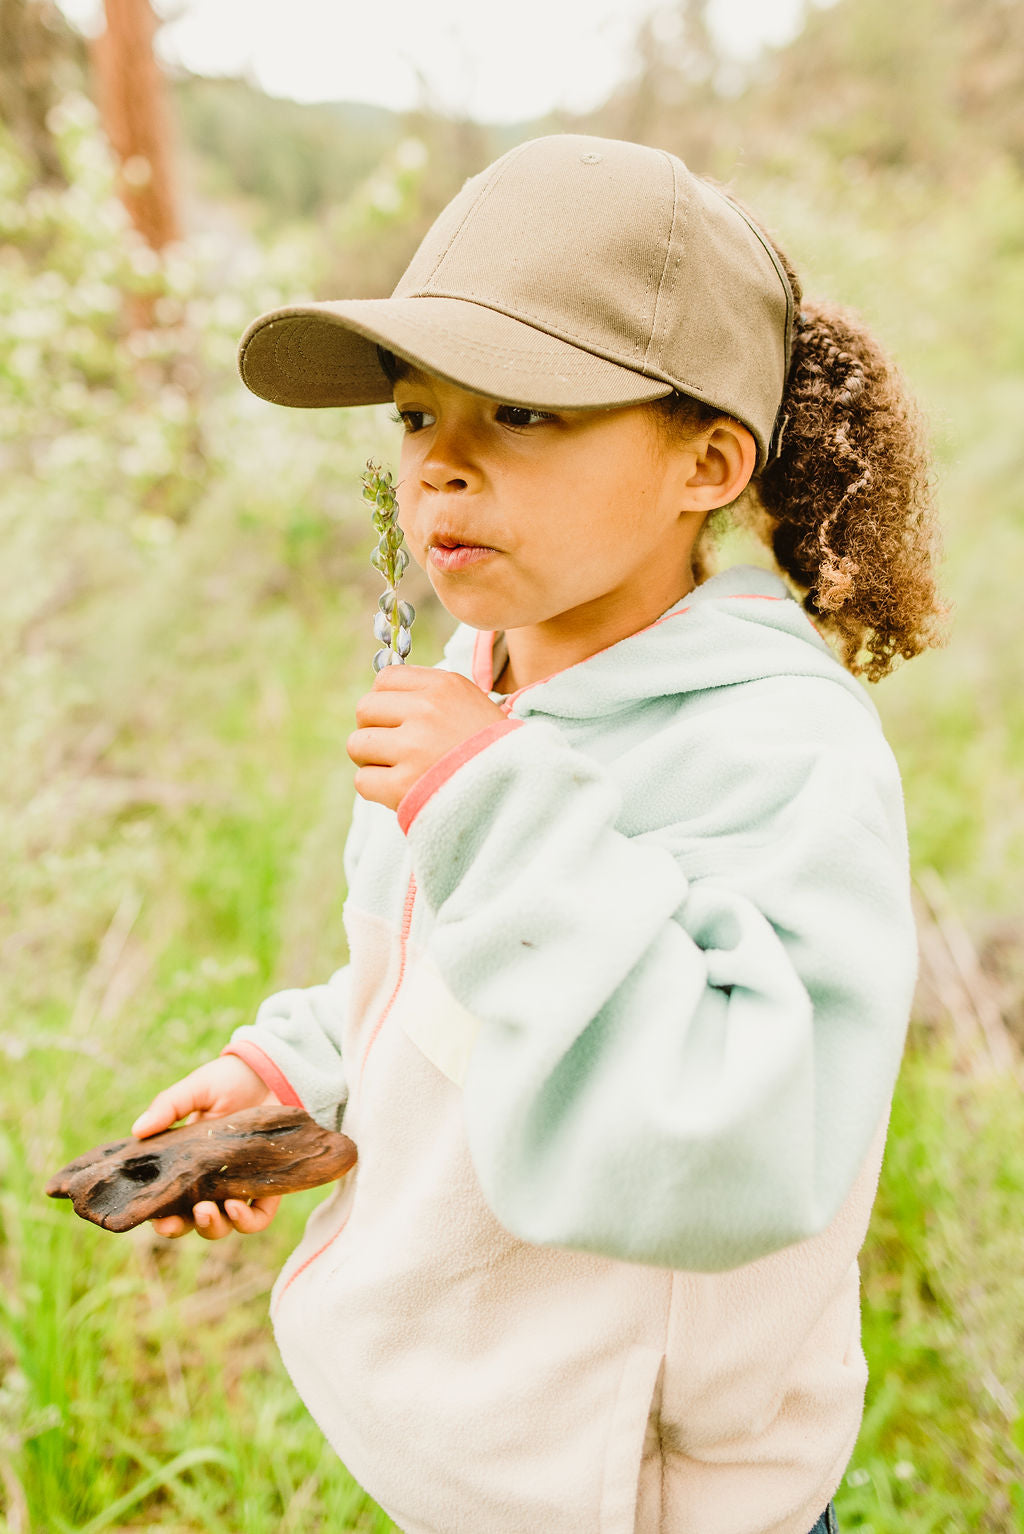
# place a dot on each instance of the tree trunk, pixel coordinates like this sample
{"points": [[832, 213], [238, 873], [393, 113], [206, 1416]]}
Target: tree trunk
{"points": [[133, 102]]}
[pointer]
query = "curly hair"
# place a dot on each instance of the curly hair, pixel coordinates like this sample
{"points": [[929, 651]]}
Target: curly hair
{"points": [[845, 502]]}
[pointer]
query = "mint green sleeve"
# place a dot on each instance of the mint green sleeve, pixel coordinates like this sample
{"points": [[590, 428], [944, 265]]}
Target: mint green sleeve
{"points": [[688, 1036], [295, 1040]]}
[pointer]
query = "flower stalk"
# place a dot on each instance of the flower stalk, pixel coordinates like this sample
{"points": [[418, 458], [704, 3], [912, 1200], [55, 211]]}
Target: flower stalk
{"points": [[393, 621]]}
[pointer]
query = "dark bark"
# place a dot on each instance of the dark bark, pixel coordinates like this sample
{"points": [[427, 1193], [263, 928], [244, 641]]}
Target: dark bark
{"points": [[245, 1155]]}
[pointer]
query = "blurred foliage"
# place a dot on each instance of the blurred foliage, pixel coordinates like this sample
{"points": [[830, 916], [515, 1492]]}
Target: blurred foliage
{"points": [[42, 59], [935, 87], [139, 481], [285, 160], [112, 410], [185, 627]]}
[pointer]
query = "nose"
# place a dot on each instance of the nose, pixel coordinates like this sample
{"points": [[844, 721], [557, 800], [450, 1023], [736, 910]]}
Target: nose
{"points": [[450, 464]]}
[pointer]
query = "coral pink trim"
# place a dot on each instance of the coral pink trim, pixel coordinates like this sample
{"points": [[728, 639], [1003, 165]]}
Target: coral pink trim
{"points": [[410, 900], [483, 659], [266, 1070], [427, 785], [304, 1265], [483, 647]]}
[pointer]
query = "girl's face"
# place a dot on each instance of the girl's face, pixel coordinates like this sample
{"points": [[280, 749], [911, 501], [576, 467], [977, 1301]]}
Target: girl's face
{"points": [[577, 525]]}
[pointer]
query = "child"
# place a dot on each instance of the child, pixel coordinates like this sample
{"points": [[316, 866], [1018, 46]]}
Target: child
{"points": [[632, 952]]}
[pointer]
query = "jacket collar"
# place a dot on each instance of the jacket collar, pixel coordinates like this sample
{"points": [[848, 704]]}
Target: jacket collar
{"points": [[739, 626]]}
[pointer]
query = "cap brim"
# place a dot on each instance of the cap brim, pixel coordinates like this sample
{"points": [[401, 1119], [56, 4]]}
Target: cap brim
{"points": [[322, 354]]}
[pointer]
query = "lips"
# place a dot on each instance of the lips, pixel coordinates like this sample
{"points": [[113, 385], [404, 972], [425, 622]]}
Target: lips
{"points": [[458, 556], [454, 541]]}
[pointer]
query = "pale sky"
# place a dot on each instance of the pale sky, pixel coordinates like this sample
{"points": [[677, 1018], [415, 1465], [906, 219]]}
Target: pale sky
{"points": [[496, 60]]}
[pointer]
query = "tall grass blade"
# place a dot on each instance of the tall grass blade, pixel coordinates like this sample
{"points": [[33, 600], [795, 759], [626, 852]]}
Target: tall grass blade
{"points": [[149, 1483]]}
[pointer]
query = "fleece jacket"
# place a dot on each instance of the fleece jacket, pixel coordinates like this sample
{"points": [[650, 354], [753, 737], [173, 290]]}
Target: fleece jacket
{"points": [[630, 973]]}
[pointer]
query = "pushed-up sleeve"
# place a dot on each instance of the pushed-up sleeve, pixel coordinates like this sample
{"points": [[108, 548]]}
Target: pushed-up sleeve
{"points": [[688, 1037], [294, 1045]]}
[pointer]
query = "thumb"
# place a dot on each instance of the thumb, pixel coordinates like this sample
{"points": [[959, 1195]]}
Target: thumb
{"points": [[190, 1095]]}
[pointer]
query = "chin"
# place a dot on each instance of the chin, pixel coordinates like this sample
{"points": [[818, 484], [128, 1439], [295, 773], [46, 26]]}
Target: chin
{"points": [[478, 611], [474, 617]]}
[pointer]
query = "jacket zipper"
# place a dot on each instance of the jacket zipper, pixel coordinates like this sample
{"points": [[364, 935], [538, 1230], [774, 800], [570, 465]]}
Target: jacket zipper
{"points": [[410, 901], [403, 940]]}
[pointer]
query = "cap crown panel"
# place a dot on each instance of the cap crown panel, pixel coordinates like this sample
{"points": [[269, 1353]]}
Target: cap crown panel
{"points": [[587, 277], [720, 278]]}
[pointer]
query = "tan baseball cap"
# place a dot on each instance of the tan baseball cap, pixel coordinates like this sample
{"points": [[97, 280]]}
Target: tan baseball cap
{"points": [[574, 272]]}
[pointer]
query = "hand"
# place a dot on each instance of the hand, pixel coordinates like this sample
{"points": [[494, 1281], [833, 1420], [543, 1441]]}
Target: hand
{"points": [[222, 1086], [412, 717]]}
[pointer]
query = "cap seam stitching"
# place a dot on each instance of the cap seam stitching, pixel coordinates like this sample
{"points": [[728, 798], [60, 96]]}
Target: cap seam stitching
{"points": [[776, 263], [668, 254], [474, 208]]}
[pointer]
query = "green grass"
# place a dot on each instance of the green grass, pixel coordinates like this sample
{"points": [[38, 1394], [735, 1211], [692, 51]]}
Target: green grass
{"points": [[941, 1444]]}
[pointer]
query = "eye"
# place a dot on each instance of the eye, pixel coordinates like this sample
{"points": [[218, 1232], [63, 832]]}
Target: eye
{"points": [[412, 420], [519, 416]]}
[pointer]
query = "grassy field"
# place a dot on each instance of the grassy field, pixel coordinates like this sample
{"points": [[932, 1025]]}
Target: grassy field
{"points": [[175, 694]]}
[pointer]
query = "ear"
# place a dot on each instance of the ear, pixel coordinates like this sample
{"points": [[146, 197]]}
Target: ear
{"points": [[725, 456]]}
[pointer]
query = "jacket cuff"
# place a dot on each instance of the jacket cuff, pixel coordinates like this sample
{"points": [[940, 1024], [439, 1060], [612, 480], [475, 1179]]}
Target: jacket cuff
{"points": [[425, 787], [267, 1071]]}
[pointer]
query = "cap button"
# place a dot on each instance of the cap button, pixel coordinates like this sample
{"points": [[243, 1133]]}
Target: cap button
{"points": [[590, 159]]}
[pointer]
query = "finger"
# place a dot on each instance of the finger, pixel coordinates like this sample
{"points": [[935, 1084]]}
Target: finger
{"points": [[168, 1107], [401, 677], [379, 784], [376, 748], [211, 1221], [380, 708], [250, 1218], [172, 1226]]}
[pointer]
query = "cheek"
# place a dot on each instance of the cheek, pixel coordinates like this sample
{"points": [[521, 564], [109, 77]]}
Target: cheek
{"points": [[408, 501], [579, 511], [604, 514]]}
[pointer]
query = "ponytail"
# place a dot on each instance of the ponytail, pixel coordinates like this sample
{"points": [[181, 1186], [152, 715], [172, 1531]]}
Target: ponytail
{"points": [[845, 501]]}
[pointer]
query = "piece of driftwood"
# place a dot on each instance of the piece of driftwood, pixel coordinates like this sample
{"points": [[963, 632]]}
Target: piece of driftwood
{"points": [[246, 1155]]}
